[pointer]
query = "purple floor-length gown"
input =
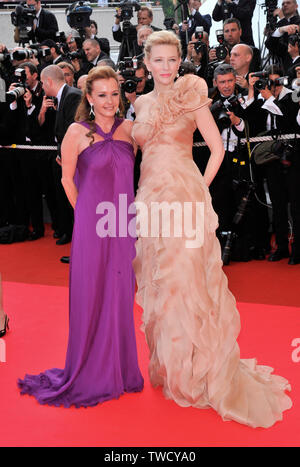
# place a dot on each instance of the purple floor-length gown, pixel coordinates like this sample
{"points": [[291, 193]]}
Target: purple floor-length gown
{"points": [[101, 361]]}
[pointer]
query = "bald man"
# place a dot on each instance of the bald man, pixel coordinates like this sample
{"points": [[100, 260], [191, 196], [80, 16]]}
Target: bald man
{"points": [[68, 99], [240, 59]]}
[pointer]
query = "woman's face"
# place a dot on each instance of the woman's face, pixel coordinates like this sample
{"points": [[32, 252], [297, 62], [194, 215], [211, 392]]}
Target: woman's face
{"points": [[163, 64], [105, 97]]}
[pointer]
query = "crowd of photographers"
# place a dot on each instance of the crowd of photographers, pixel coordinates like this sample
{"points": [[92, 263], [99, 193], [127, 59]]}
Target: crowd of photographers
{"points": [[250, 96]]}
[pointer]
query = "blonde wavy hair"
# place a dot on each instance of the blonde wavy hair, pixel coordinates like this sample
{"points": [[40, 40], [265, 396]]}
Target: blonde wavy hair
{"points": [[83, 110], [162, 38]]}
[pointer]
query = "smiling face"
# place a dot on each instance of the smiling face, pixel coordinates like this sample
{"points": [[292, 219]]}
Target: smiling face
{"points": [[105, 97], [163, 62]]}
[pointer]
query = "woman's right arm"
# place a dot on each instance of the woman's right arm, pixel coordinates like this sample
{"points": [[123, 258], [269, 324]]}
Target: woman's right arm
{"points": [[70, 152]]}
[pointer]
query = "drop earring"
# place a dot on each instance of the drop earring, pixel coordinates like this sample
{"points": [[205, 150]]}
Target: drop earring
{"points": [[149, 75], [92, 113]]}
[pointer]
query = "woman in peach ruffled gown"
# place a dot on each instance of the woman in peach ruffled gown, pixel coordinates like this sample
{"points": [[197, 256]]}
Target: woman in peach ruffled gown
{"points": [[190, 318]]}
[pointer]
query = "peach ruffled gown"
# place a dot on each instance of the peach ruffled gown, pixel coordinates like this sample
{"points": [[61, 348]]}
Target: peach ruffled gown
{"points": [[190, 318]]}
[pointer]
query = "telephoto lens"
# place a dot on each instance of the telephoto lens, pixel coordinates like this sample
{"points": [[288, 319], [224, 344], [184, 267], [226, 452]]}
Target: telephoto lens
{"points": [[14, 94]]}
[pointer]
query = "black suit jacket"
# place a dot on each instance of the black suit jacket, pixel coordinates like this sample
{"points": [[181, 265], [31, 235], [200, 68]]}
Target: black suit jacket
{"points": [[257, 116], [278, 46], [137, 50], [243, 12], [47, 28], [66, 112]]}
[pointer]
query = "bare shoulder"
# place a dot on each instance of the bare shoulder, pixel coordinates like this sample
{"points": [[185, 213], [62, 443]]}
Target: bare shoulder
{"points": [[76, 129]]}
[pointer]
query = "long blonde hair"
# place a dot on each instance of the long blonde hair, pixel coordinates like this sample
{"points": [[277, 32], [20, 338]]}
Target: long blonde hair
{"points": [[83, 110]]}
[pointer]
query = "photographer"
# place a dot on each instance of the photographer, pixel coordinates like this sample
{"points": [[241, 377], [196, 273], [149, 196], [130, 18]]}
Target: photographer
{"points": [[240, 9], [87, 58], [274, 111], [24, 110], [54, 57], [197, 53], [45, 24], [277, 41], [229, 116], [91, 33], [195, 19], [128, 37]]}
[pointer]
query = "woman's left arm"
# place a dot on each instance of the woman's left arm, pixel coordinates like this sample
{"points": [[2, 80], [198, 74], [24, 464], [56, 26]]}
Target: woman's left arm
{"points": [[209, 130]]}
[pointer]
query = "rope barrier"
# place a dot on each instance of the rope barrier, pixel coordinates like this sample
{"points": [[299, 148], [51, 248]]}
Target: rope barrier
{"points": [[257, 139]]}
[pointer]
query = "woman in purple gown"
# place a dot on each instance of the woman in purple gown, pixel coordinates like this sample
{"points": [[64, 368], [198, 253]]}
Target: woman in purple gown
{"points": [[101, 361]]}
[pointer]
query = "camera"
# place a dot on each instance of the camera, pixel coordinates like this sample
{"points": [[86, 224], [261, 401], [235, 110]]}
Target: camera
{"points": [[127, 69], [33, 51], [219, 109], [265, 82], [77, 54], [5, 56], [20, 78], [248, 189], [294, 39], [199, 46], [127, 9], [222, 49], [226, 12], [23, 16], [54, 100], [78, 15]]}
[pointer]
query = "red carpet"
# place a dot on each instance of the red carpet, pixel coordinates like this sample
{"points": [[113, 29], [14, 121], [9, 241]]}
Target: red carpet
{"points": [[36, 299]]}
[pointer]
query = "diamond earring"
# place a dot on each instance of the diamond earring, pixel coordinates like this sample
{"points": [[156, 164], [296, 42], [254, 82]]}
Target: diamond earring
{"points": [[92, 113]]}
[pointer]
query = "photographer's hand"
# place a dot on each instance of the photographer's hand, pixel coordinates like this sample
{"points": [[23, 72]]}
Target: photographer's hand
{"points": [[290, 29], [46, 104], [28, 98], [241, 81], [76, 64], [278, 12], [212, 55], [2, 48], [131, 97], [234, 119]]}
